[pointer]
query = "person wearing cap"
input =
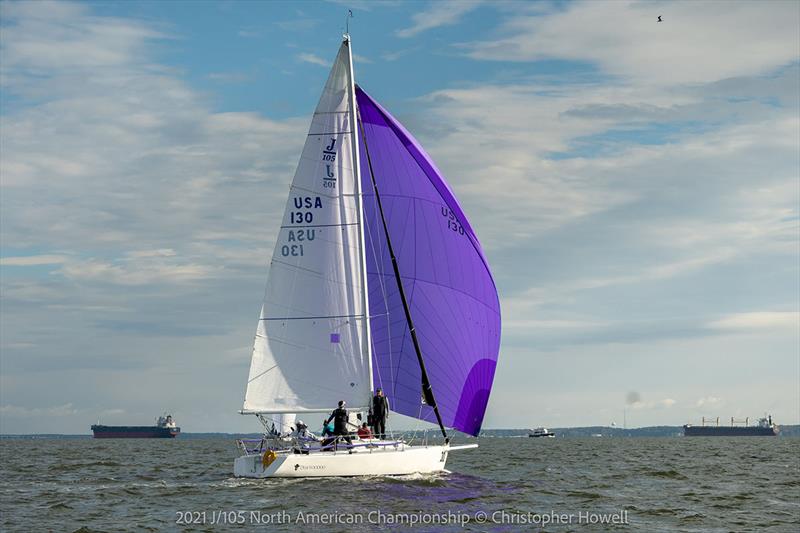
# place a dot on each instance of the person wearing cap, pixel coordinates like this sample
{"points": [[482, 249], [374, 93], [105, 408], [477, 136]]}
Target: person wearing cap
{"points": [[302, 432], [340, 418], [380, 412]]}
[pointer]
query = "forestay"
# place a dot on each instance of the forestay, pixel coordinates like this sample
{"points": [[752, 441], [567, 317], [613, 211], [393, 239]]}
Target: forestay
{"points": [[310, 349], [452, 297]]}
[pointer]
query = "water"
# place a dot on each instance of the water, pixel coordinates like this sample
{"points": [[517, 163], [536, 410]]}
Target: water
{"points": [[669, 484]]}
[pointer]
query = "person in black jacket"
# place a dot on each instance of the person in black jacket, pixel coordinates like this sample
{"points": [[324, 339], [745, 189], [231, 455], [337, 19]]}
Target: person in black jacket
{"points": [[380, 412], [340, 418]]}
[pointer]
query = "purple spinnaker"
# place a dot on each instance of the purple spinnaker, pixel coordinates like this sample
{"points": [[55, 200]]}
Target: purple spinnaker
{"points": [[450, 291]]}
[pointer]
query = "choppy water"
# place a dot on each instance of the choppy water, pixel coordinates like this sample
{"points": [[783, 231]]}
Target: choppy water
{"points": [[670, 484]]}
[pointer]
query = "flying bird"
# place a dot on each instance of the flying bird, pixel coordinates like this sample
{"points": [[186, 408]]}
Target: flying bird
{"points": [[659, 19]]}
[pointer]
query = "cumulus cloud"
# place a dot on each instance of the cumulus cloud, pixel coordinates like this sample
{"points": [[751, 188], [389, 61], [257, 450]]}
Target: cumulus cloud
{"points": [[759, 320], [637, 183], [41, 44], [139, 272], [698, 42], [502, 142], [117, 174], [313, 59], [708, 401], [647, 208], [440, 13], [128, 157], [33, 260]]}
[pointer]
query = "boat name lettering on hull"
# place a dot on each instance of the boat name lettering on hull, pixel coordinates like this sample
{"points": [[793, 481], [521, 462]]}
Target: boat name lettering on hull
{"points": [[308, 467]]}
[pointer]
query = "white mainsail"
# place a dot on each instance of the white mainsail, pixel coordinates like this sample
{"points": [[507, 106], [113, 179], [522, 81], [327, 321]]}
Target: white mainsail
{"points": [[311, 348]]}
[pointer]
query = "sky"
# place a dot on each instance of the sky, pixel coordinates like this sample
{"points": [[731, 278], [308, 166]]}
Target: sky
{"points": [[635, 186]]}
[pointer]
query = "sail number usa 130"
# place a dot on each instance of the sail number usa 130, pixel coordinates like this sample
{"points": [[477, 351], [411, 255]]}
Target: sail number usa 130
{"points": [[452, 222], [304, 214]]}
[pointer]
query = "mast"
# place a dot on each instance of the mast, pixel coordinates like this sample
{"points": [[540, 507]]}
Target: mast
{"points": [[367, 340], [427, 390]]}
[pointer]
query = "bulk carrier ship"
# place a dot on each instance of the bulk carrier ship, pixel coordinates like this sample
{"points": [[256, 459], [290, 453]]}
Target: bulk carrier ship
{"points": [[738, 428], [165, 428]]}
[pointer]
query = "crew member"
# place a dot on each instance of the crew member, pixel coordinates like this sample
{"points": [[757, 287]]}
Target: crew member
{"points": [[380, 413], [364, 433], [340, 418]]}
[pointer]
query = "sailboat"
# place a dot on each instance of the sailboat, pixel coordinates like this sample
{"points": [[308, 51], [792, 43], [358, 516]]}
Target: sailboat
{"points": [[377, 280]]}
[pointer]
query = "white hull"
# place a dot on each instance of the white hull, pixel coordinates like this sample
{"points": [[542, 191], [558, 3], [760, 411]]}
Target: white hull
{"points": [[380, 461]]}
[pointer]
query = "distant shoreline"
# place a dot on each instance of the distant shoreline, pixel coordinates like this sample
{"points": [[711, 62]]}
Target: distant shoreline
{"points": [[574, 432]]}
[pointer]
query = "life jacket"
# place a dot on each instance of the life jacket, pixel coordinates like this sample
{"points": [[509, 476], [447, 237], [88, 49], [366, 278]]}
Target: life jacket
{"points": [[268, 458]]}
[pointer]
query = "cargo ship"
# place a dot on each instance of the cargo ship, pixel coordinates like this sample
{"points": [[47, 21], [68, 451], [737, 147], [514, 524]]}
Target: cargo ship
{"points": [[165, 428], [738, 428]]}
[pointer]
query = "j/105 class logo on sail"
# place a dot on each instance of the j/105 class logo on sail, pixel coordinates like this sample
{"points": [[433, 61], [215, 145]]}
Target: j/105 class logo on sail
{"points": [[329, 155]]}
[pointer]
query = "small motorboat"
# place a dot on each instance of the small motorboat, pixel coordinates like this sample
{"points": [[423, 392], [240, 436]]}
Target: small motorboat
{"points": [[541, 432]]}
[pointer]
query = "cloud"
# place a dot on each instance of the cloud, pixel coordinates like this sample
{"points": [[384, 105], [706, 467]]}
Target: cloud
{"points": [[635, 224], [313, 59], [120, 175], [709, 401], [228, 77], [759, 320], [250, 34], [397, 54], [14, 411], [33, 260], [497, 144], [367, 5], [127, 158], [440, 13], [697, 43], [20, 345], [94, 43], [159, 328], [297, 25], [136, 271], [161, 252], [634, 400]]}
